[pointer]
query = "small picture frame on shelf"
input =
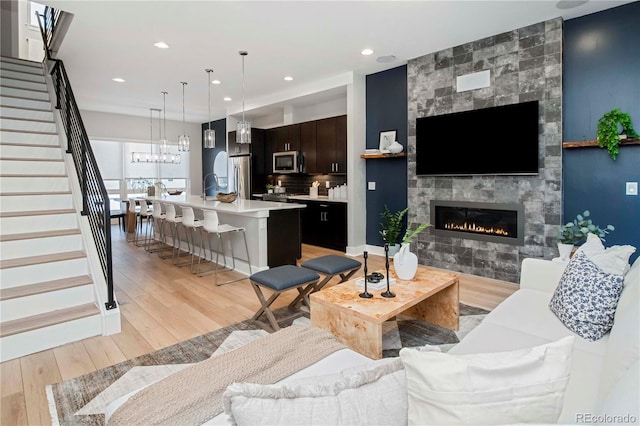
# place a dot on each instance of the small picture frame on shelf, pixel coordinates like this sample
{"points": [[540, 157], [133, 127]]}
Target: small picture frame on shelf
{"points": [[387, 137]]}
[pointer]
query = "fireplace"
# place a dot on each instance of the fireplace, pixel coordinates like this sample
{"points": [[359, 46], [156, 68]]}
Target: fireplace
{"points": [[491, 222]]}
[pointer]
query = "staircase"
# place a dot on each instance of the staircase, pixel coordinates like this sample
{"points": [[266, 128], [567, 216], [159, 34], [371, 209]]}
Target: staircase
{"points": [[47, 295]]}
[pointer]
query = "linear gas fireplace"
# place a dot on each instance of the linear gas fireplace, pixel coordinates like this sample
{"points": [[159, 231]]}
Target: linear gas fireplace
{"points": [[491, 222]]}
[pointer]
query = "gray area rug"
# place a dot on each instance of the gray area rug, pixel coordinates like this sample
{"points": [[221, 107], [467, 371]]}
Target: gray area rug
{"points": [[82, 400]]}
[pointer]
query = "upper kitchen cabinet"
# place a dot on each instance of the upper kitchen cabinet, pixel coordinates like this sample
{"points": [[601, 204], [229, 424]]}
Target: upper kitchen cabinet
{"points": [[270, 146], [308, 146], [331, 145], [289, 138], [256, 148], [234, 148]]}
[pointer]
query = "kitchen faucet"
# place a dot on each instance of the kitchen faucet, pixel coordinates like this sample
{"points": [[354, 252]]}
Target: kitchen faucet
{"points": [[205, 187]]}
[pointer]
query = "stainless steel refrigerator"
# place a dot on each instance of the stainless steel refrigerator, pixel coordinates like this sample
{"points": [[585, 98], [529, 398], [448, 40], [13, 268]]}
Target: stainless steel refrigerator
{"points": [[240, 170]]}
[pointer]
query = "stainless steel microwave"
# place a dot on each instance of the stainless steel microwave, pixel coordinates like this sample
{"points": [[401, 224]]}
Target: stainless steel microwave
{"points": [[287, 162]]}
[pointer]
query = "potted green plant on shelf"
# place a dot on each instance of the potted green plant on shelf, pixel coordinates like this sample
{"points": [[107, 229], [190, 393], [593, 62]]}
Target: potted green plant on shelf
{"points": [[575, 232], [269, 188], [608, 132]]}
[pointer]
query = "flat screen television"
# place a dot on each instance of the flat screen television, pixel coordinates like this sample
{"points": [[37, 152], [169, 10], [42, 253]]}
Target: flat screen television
{"points": [[501, 140]]}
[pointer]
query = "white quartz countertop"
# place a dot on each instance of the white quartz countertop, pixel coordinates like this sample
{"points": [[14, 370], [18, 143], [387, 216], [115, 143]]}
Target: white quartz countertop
{"points": [[240, 207]]}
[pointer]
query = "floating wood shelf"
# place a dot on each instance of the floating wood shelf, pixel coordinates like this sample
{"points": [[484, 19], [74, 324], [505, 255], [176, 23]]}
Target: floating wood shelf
{"points": [[582, 144], [379, 155]]}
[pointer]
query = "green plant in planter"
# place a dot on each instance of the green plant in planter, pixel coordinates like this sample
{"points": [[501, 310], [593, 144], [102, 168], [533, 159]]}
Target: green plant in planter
{"points": [[575, 232], [391, 225], [608, 130]]}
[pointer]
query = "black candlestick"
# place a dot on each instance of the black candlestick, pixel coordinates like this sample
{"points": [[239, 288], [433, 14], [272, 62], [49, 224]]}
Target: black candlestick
{"points": [[365, 294], [386, 265]]}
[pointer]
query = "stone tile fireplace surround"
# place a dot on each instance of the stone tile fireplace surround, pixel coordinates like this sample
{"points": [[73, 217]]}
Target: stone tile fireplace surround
{"points": [[525, 64]]}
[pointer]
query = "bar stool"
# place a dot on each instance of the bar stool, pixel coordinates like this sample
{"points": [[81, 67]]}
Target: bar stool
{"points": [[212, 226], [157, 227], [143, 214], [171, 220], [189, 226]]}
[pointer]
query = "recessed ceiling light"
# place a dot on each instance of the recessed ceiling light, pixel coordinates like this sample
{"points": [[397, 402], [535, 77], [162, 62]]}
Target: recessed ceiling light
{"points": [[226, 98], [118, 80], [288, 78], [570, 4], [367, 52], [385, 59], [161, 45], [215, 82]]}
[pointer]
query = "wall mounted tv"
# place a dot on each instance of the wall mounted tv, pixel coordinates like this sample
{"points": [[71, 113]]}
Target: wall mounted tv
{"points": [[500, 140]]}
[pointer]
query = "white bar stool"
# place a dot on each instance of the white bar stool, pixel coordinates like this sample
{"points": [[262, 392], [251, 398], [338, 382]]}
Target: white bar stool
{"points": [[212, 226], [171, 220], [144, 214], [156, 241], [189, 226]]}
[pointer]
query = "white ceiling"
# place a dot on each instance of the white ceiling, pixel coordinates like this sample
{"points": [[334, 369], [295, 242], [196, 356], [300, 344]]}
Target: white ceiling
{"points": [[316, 42]]}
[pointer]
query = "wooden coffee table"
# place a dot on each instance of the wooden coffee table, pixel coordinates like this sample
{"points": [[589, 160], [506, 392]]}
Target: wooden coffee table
{"points": [[431, 296]]}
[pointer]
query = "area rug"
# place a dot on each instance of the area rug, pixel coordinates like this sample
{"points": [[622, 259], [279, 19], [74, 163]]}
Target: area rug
{"points": [[82, 400]]}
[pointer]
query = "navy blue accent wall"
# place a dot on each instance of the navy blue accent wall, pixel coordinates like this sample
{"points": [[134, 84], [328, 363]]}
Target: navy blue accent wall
{"points": [[602, 72], [209, 155], [386, 107]]}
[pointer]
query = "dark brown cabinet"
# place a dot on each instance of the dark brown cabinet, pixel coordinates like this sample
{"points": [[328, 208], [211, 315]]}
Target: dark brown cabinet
{"points": [[270, 146], [288, 138], [324, 224], [331, 145], [308, 146]]}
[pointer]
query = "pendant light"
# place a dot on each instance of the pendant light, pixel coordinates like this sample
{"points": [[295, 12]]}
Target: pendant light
{"points": [[150, 157], [183, 140], [164, 148], [243, 133], [209, 135]]}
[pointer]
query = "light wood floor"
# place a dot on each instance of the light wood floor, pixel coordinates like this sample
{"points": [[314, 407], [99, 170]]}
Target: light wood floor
{"points": [[161, 304]]}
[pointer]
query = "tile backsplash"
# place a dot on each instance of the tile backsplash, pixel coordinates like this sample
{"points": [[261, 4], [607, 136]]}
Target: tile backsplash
{"points": [[299, 184]]}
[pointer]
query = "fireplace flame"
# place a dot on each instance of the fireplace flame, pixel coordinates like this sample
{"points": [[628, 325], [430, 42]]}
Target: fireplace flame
{"points": [[473, 227]]}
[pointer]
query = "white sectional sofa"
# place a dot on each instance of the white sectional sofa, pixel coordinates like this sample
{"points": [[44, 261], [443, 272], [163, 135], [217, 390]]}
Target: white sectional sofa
{"points": [[605, 375], [604, 380]]}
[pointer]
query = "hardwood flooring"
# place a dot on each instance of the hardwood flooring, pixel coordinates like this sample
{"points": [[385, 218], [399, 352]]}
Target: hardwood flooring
{"points": [[162, 304]]}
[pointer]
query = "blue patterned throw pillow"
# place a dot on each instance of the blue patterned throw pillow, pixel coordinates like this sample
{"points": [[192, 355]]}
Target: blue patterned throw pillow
{"points": [[586, 298]]}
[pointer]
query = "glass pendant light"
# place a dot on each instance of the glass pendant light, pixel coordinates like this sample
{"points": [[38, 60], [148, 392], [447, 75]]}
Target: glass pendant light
{"points": [[183, 139], [243, 132], [209, 135], [164, 148], [151, 157]]}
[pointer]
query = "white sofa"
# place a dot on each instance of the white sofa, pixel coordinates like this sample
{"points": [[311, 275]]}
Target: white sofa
{"points": [[605, 376]]}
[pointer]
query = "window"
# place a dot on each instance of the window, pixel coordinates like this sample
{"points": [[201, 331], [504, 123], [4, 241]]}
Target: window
{"points": [[32, 9]]}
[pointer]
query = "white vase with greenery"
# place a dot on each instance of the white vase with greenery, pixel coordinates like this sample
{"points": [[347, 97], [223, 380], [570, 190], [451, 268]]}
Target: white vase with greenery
{"points": [[405, 262]]}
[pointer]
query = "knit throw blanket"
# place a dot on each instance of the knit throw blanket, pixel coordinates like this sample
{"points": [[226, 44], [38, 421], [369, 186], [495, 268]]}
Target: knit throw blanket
{"points": [[194, 395]]}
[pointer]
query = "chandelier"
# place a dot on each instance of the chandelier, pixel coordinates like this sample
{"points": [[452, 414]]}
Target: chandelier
{"points": [[209, 140], [243, 133], [151, 157], [183, 139]]}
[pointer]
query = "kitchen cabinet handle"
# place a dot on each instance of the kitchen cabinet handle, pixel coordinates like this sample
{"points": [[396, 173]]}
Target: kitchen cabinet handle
{"points": [[337, 167], [324, 205]]}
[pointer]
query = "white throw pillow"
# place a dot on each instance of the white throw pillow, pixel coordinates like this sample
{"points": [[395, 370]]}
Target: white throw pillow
{"points": [[375, 394], [586, 298], [613, 260], [522, 386]]}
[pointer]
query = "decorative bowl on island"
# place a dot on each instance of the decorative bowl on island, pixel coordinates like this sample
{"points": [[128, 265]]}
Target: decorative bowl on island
{"points": [[226, 198]]}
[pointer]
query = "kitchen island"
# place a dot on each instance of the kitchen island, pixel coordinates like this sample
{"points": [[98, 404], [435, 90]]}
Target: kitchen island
{"points": [[272, 229]]}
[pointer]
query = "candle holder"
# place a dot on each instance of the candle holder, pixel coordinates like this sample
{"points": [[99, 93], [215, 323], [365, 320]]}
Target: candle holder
{"points": [[386, 264], [365, 294]]}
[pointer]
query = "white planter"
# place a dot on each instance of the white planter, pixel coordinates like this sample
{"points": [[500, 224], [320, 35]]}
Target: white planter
{"points": [[565, 251], [395, 148], [405, 263]]}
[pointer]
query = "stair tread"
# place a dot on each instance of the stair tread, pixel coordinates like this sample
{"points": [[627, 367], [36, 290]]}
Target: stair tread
{"points": [[32, 175], [34, 322], [41, 234], [36, 212], [30, 145], [29, 131], [29, 159], [35, 193], [23, 88], [44, 258], [37, 71], [20, 61], [6, 77], [33, 120], [44, 287], [27, 108]]}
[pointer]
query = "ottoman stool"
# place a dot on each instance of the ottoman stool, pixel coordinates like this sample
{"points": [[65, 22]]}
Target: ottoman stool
{"points": [[330, 266], [280, 279]]}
